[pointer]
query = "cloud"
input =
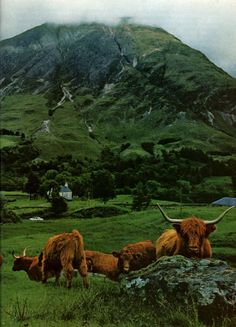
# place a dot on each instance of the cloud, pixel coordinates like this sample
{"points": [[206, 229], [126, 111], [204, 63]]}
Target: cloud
{"points": [[206, 25]]}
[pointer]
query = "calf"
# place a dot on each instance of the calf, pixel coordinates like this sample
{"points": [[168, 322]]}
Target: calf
{"points": [[135, 256], [65, 252], [102, 263]]}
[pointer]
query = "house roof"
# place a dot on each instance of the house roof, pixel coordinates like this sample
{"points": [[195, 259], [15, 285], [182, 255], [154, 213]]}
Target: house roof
{"points": [[227, 201], [64, 189]]}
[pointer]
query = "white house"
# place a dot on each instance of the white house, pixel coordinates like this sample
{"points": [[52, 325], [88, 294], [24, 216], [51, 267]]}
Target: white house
{"points": [[65, 192]]}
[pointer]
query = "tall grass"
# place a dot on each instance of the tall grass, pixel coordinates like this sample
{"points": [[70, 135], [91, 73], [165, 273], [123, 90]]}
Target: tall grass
{"points": [[101, 305]]}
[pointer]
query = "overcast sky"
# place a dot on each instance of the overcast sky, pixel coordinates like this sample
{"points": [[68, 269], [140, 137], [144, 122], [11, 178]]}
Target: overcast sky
{"points": [[206, 25]]}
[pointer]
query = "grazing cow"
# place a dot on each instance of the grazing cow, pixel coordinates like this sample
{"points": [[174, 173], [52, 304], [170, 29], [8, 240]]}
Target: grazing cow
{"points": [[188, 238], [102, 263], [65, 252], [29, 264], [1, 260], [135, 256]]}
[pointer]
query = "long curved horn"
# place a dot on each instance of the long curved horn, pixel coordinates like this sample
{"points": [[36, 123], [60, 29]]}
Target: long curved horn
{"points": [[14, 256], [172, 221], [218, 219], [24, 252]]}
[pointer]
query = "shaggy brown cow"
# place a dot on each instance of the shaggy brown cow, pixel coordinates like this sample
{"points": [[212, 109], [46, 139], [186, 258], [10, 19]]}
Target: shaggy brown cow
{"points": [[135, 256], [65, 252], [29, 264], [1, 260], [102, 263], [189, 238]]}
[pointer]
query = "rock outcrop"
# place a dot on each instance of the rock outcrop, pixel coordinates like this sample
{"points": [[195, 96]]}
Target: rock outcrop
{"points": [[211, 284]]}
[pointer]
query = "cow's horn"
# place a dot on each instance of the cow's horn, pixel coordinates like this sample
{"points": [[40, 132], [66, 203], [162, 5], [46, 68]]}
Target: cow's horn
{"points": [[24, 252], [218, 219], [172, 221], [13, 253]]}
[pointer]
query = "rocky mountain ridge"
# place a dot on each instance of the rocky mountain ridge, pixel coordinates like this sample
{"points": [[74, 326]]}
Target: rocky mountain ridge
{"points": [[121, 78]]}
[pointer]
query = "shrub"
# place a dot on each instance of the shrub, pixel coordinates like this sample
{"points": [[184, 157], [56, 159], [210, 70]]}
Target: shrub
{"points": [[141, 198], [59, 205], [99, 211], [6, 215], [149, 147], [103, 185]]}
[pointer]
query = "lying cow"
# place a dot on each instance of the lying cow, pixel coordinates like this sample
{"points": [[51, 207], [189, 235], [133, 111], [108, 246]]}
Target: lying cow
{"points": [[29, 264], [135, 256], [102, 263], [188, 238], [65, 252]]}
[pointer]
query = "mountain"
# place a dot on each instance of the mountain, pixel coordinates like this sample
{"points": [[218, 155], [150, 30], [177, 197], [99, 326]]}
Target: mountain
{"points": [[76, 88]]}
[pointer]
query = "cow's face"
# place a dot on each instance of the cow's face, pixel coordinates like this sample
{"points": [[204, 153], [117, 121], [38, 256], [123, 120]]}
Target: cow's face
{"points": [[192, 232], [125, 259], [22, 262], [18, 264]]}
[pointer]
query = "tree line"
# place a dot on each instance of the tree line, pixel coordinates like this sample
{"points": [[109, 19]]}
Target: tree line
{"points": [[171, 175]]}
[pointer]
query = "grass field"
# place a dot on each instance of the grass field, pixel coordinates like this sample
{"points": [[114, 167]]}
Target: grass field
{"points": [[8, 140], [69, 135], [27, 303]]}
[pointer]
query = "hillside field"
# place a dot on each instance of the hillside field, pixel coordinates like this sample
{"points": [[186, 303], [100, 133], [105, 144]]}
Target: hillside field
{"points": [[68, 133], [27, 303]]}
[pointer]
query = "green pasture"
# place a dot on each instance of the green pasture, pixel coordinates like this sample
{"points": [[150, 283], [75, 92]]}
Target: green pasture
{"points": [[26, 113], [69, 134], [8, 140], [28, 303], [21, 203]]}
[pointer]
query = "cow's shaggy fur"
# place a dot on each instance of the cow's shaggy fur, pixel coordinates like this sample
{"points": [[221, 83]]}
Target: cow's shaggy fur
{"points": [[102, 263], [65, 252], [135, 256], [30, 265], [189, 238]]}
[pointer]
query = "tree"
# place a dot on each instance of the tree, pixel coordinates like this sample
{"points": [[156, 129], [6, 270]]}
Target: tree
{"points": [[233, 178], [82, 185], [153, 188], [32, 185], [108, 159], [51, 174], [184, 189], [103, 185], [58, 204], [141, 197], [48, 187], [63, 177], [232, 169]]}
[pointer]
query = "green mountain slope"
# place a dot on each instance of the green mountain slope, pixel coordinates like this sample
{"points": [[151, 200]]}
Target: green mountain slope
{"points": [[74, 89]]}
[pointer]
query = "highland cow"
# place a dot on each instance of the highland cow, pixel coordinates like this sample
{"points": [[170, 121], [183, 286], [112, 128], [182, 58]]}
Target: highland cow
{"points": [[102, 263], [188, 238], [65, 252], [135, 256]]}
